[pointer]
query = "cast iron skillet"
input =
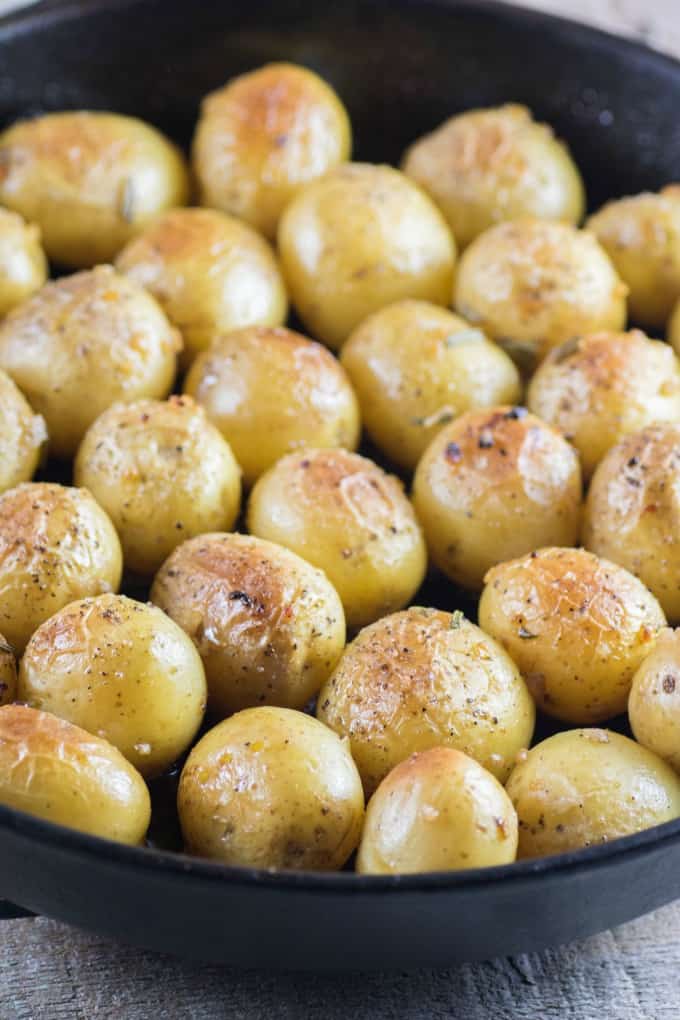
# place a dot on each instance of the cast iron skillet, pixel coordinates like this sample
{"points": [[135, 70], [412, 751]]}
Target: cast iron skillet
{"points": [[401, 66]]}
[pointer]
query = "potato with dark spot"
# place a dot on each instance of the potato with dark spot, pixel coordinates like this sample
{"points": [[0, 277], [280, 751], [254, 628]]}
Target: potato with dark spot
{"points": [[8, 672], [654, 702], [577, 626], [23, 436], [23, 265]]}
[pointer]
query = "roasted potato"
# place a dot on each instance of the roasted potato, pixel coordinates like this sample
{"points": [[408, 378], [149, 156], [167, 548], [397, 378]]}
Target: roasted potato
{"points": [[59, 772], [654, 702], [123, 670], [415, 367], [358, 239], [23, 435], [421, 679], [8, 672], [532, 284], [342, 513], [271, 392], [90, 180], [598, 388], [437, 811], [263, 136], [268, 626], [589, 786], [493, 485], [23, 265], [271, 788], [577, 626], [485, 166]]}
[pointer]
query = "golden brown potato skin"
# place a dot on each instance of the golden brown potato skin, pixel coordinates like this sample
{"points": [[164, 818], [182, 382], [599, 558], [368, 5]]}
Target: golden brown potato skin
{"points": [[342, 513], [358, 239], [271, 392], [209, 272], [56, 545], [263, 136], [271, 788], [415, 367], [84, 342], [421, 679], [23, 265], [485, 166], [532, 284], [589, 786], [163, 473], [437, 811], [59, 772], [641, 235], [90, 180], [123, 670], [8, 672], [493, 485], [598, 388], [576, 625], [654, 702], [268, 626], [22, 436]]}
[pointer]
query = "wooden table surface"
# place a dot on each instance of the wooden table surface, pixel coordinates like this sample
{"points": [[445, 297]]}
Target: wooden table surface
{"points": [[51, 972]]}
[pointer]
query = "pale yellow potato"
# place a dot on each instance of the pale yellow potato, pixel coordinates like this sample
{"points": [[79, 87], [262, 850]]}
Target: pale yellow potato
{"points": [[421, 679], [598, 388], [8, 672], [211, 273], [90, 181], [271, 788], [56, 545], [268, 626], [23, 265], [633, 511], [576, 625], [163, 473], [415, 367], [485, 166], [492, 485], [345, 515], [532, 284], [59, 772], [583, 787], [23, 435], [358, 239], [84, 342], [437, 811], [120, 669], [263, 136], [654, 702], [641, 235], [271, 392]]}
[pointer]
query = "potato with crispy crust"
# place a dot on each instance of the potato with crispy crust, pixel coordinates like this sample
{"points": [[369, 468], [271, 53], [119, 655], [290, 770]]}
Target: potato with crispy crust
{"points": [[23, 265], [271, 392], [268, 626], [577, 626], [345, 515], [654, 702], [263, 136], [421, 679], [23, 436], [493, 485], [8, 672]]}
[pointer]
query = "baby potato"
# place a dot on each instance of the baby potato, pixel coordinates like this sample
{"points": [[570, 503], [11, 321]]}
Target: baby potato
{"points": [[358, 239], [23, 266], [123, 670], [343, 514], [654, 702], [493, 485], [84, 342], [209, 272], [421, 679], [59, 772], [577, 626], [22, 436], [641, 235], [8, 672], [437, 811], [271, 392], [488, 165], [589, 786], [56, 545], [415, 367], [268, 626], [271, 788], [90, 180], [264, 135], [532, 284], [633, 511], [162, 472]]}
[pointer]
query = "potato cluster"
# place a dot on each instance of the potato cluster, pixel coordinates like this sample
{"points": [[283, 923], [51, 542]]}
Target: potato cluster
{"points": [[210, 584]]}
